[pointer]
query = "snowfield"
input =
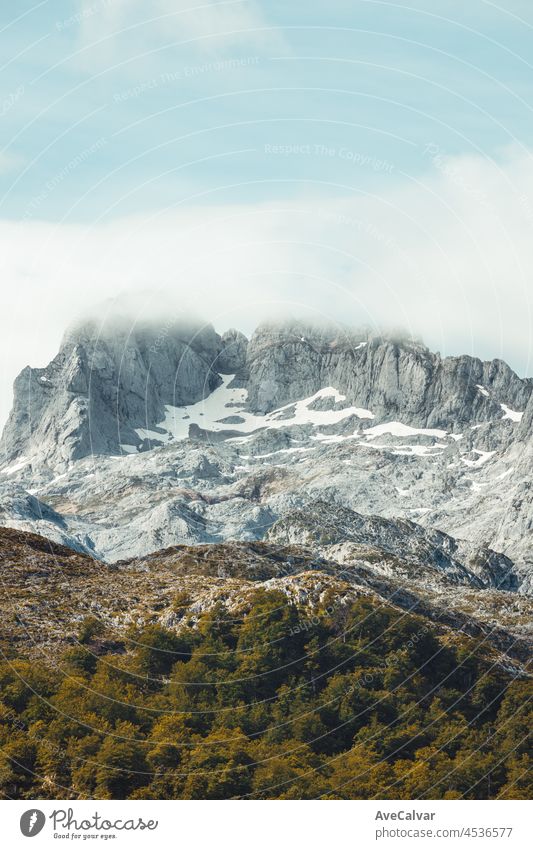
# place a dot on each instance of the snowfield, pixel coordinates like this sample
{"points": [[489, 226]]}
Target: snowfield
{"points": [[225, 401]]}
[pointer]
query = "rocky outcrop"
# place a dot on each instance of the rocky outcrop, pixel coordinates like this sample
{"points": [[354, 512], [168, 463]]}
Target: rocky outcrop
{"points": [[101, 453], [393, 543], [107, 381], [47, 591], [394, 378], [107, 389], [233, 353], [24, 512], [525, 432]]}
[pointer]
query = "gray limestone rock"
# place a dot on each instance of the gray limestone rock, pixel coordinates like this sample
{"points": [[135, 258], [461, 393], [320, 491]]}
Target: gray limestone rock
{"points": [[106, 382], [109, 386], [325, 526], [393, 378], [232, 357]]}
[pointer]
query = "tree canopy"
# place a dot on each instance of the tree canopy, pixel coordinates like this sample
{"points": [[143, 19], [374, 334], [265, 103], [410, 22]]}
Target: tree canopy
{"points": [[357, 703]]}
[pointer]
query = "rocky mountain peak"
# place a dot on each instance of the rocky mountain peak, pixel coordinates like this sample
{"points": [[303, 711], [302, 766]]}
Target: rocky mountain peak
{"points": [[114, 379], [395, 377], [108, 380], [233, 353]]}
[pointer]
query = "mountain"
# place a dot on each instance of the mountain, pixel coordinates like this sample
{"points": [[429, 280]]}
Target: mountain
{"points": [[395, 378], [307, 555], [253, 670], [112, 383], [108, 382], [48, 590], [144, 435], [393, 546]]}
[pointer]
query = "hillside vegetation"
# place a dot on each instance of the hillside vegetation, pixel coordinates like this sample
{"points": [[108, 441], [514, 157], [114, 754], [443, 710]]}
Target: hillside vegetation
{"points": [[352, 700]]}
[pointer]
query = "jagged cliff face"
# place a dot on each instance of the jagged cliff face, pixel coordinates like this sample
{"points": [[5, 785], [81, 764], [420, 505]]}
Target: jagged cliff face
{"points": [[111, 383], [395, 379], [525, 431], [137, 438], [106, 383]]}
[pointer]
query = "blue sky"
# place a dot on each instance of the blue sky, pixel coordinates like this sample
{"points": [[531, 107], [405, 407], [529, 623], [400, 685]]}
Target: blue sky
{"points": [[187, 102], [369, 161]]}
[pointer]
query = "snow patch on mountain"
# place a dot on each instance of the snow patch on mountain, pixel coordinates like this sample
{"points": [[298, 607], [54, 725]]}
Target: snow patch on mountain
{"points": [[513, 415], [482, 457], [227, 402], [15, 467], [399, 429]]}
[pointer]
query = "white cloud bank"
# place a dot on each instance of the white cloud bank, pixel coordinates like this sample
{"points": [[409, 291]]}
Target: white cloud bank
{"points": [[449, 258]]}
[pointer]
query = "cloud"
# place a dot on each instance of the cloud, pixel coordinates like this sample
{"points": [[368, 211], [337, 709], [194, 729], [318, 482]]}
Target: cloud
{"points": [[119, 29], [448, 257]]}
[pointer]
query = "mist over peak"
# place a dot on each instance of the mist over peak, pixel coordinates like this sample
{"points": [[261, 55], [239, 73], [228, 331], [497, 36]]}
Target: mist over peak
{"points": [[134, 310], [424, 257]]}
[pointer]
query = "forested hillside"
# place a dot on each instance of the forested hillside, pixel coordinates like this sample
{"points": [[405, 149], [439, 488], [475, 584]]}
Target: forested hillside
{"points": [[354, 701]]}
